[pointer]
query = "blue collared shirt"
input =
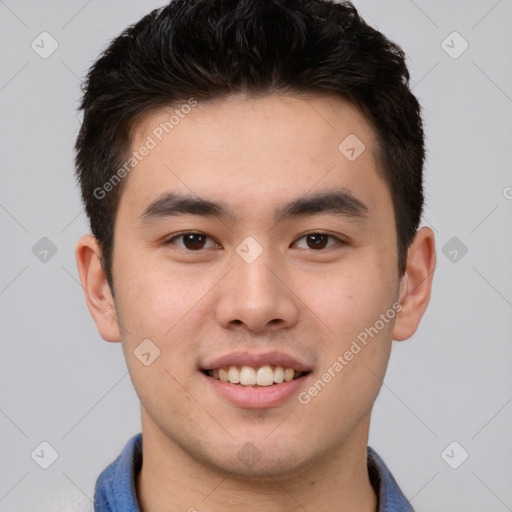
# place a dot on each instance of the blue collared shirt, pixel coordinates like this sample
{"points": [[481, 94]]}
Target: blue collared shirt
{"points": [[115, 487]]}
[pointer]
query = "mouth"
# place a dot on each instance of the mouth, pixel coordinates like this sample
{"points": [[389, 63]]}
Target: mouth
{"points": [[255, 377]]}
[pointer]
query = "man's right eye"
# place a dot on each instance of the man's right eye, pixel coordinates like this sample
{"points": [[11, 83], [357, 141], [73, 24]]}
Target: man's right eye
{"points": [[191, 241]]}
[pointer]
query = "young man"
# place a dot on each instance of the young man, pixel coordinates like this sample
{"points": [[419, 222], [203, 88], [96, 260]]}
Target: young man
{"points": [[252, 172]]}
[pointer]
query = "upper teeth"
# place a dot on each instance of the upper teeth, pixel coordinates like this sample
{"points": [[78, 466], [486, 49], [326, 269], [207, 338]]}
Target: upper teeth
{"points": [[247, 375]]}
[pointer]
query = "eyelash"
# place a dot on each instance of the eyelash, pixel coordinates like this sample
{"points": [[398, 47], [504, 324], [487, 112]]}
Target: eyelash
{"points": [[170, 240]]}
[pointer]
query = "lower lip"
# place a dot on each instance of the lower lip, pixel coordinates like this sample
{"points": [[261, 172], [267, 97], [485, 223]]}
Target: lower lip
{"points": [[257, 398]]}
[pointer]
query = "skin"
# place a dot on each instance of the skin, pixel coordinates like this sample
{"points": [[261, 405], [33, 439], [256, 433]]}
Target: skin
{"points": [[254, 154]]}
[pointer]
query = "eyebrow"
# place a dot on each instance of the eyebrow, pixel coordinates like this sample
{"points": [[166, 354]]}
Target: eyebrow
{"points": [[340, 201]]}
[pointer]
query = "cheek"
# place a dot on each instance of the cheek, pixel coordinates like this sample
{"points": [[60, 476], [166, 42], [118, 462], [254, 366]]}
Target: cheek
{"points": [[350, 302], [356, 355], [156, 307], [167, 307], [150, 301]]}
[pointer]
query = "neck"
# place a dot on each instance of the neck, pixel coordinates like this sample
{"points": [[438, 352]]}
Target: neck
{"points": [[337, 482]]}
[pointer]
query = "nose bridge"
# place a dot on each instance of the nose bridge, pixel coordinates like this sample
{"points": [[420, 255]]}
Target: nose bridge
{"points": [[257, 278], [255, 293], [252, 264]]}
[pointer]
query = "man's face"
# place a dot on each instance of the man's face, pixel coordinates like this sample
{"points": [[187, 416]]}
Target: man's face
{"points": [[284, 290]]}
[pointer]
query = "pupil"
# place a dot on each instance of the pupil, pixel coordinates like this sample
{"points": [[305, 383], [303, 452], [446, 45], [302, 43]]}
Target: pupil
{"points": [[191, 241], [319, 241]]}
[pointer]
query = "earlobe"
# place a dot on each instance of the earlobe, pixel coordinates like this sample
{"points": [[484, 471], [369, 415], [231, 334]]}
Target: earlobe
{"points": [[416, 284], [96, 289]]}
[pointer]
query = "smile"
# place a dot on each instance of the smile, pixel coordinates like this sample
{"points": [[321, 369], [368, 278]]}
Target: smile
{"points": [[266, 375]]}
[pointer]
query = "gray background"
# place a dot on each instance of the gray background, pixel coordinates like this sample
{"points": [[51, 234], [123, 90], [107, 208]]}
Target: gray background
{"points": [[62, 384]]}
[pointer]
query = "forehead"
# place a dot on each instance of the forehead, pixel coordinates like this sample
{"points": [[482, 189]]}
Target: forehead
{"points": [[253, 150], [305, 119]]}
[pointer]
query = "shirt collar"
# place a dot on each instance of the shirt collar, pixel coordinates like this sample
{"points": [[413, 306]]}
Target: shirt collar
{"points": [[391, 498], [115, 487]]}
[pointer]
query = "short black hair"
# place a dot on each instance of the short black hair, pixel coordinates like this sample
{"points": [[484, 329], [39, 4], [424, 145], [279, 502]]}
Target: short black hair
{"points": [[209, 49]]}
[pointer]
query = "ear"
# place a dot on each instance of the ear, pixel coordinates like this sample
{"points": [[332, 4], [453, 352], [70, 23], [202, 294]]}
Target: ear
{"points": [[416, 284], [96, 289]]}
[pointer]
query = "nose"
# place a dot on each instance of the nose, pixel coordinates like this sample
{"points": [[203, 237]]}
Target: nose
{"points": [[257, 296]]}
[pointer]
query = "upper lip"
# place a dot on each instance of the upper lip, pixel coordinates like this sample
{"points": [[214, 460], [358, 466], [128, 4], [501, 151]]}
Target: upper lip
{"points": [[256, 360]]}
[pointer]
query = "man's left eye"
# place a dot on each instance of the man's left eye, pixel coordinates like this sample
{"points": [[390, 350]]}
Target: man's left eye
{"points": [[318, 241]]}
